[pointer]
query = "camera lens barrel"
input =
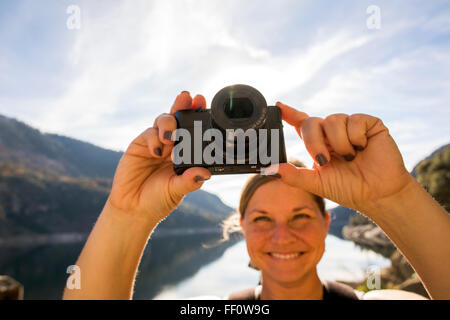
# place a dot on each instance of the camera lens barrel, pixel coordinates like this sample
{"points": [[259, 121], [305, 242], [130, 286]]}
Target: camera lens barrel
{"points": [[238, 107]]}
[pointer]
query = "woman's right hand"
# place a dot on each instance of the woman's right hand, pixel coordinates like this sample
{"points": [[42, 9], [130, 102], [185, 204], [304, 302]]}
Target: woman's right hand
{"points": [[145, 184]]}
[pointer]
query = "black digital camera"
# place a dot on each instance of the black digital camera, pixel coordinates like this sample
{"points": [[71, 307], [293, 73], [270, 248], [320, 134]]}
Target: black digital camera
{"points": [[239, 134]]}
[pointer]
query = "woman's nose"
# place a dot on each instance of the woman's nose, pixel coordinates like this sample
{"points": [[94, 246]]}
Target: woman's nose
{"points": [[282, 235]]}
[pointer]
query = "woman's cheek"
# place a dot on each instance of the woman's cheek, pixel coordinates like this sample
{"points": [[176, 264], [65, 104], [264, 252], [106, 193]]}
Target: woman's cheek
{"points": [[256, 238], [312, 234], [256, 241]]}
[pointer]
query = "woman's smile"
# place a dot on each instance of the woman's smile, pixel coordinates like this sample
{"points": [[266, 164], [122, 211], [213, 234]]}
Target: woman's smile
{"points": [[286, 256]]}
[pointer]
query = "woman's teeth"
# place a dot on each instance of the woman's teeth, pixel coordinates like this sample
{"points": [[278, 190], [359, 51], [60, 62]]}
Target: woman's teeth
{"points": [[285, 256]]}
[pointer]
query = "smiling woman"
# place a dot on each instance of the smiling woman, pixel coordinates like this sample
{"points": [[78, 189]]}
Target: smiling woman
{"points": [[294, 210], [285, 230]]}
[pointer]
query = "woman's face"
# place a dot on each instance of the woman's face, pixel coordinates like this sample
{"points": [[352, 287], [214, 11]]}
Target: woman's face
{"points": [[285, 232]]}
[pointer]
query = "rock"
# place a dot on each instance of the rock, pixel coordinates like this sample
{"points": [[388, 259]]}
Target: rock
{"points": [[369, 235], [10, 289], [399, 271], [389, 277], [400, 275], [401, 266], [414, 284]]}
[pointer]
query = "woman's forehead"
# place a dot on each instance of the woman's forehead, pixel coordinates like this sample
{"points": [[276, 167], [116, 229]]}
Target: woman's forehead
{"points": [[277, 193]]}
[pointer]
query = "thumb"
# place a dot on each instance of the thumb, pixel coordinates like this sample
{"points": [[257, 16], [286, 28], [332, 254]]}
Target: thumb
{"points": [[306, 179], [191, 180]]}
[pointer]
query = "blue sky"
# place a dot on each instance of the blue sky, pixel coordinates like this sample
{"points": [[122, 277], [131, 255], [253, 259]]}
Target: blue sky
{"points": [[107, 81]]}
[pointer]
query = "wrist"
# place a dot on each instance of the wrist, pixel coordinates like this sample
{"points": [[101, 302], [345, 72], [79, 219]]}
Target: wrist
{"points": [[129, 220], [111, 255], [396, 202]]}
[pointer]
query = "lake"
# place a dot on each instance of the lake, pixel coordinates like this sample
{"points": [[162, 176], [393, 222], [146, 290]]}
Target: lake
{"points": [[177, 267]]}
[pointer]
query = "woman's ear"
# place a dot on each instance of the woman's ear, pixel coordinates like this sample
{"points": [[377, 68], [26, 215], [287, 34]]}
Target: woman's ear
{"points": [[241, 222], [327, 219]]}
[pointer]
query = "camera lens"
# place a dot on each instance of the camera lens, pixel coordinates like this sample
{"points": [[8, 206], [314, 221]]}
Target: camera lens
{"points": [[238, 107]]}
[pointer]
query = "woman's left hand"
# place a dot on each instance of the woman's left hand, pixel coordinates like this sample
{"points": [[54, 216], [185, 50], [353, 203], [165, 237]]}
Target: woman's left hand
{"points": [[357, 163]]}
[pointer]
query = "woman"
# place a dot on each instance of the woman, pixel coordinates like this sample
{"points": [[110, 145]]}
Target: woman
{"points": [[357, 164]]}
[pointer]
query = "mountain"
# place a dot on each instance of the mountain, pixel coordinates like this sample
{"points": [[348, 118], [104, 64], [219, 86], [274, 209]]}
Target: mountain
{"points": [[53, 184], [433, 173], [340, 217], [28, 147], [432, 155]]}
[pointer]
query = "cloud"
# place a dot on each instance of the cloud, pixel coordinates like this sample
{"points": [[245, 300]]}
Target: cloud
{"points": [[133, 54], [413, 110], [128, 61]]}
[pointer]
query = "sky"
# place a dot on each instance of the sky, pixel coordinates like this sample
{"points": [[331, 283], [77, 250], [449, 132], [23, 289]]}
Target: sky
{"points": [[102, 71]]}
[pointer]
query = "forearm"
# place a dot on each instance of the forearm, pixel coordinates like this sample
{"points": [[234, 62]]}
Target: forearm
{"points": [[420, 228], [111, 255]]}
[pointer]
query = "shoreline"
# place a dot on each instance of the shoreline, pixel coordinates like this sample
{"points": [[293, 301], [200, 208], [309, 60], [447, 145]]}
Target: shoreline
{"points": [[66, 238]]}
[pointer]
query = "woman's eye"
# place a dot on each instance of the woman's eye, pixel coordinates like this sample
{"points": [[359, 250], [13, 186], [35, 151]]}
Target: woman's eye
{"points": [[300, 216], [261, 219]]}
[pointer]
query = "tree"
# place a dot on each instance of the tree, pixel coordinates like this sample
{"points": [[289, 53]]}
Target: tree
{"points": [[434, 175]]}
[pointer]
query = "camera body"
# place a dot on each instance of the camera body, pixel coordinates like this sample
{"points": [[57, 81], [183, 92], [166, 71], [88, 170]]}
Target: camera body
{"points": [[239, 134]]}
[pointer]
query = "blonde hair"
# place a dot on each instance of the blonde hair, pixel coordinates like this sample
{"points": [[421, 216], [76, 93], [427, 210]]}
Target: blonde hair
{"points": [[232, 225]]}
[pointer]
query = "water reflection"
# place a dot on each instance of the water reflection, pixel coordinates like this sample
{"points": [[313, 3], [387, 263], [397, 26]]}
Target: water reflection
{"points": [[170, 260], [175, 267], [342, 260], [166, 261], [41, 270]]}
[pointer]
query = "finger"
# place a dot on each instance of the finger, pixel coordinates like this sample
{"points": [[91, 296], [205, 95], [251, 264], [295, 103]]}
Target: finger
{"points": [[191, 180], [306, 179], [357, 129], [292, 116], [182, 101], [147, 145], [154, 145], [198, 102], [335, 128], [314, 139], [166, 125]]}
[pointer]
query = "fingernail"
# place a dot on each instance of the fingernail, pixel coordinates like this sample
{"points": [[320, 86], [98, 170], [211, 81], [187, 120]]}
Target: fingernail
{"points": [[199, 179], [168, 135], [358, 147], [158, 151], [321, 159], [184, 91], [349, 157]]}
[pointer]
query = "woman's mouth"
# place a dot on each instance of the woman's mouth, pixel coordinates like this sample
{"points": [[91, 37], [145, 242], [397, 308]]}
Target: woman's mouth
{"points": [[285, 256]]}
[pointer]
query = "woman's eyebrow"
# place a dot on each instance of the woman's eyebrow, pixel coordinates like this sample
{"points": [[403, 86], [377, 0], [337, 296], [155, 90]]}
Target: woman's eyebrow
{"points": [[259, 211], [301, 208], [293, 210]]}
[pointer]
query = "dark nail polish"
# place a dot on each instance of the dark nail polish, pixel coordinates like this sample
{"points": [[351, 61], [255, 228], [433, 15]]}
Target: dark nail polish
{"points": [[321, 159], [349, 157], [184, 91], [168, 135], [358, 148], [158, 151], [198, 179]]}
